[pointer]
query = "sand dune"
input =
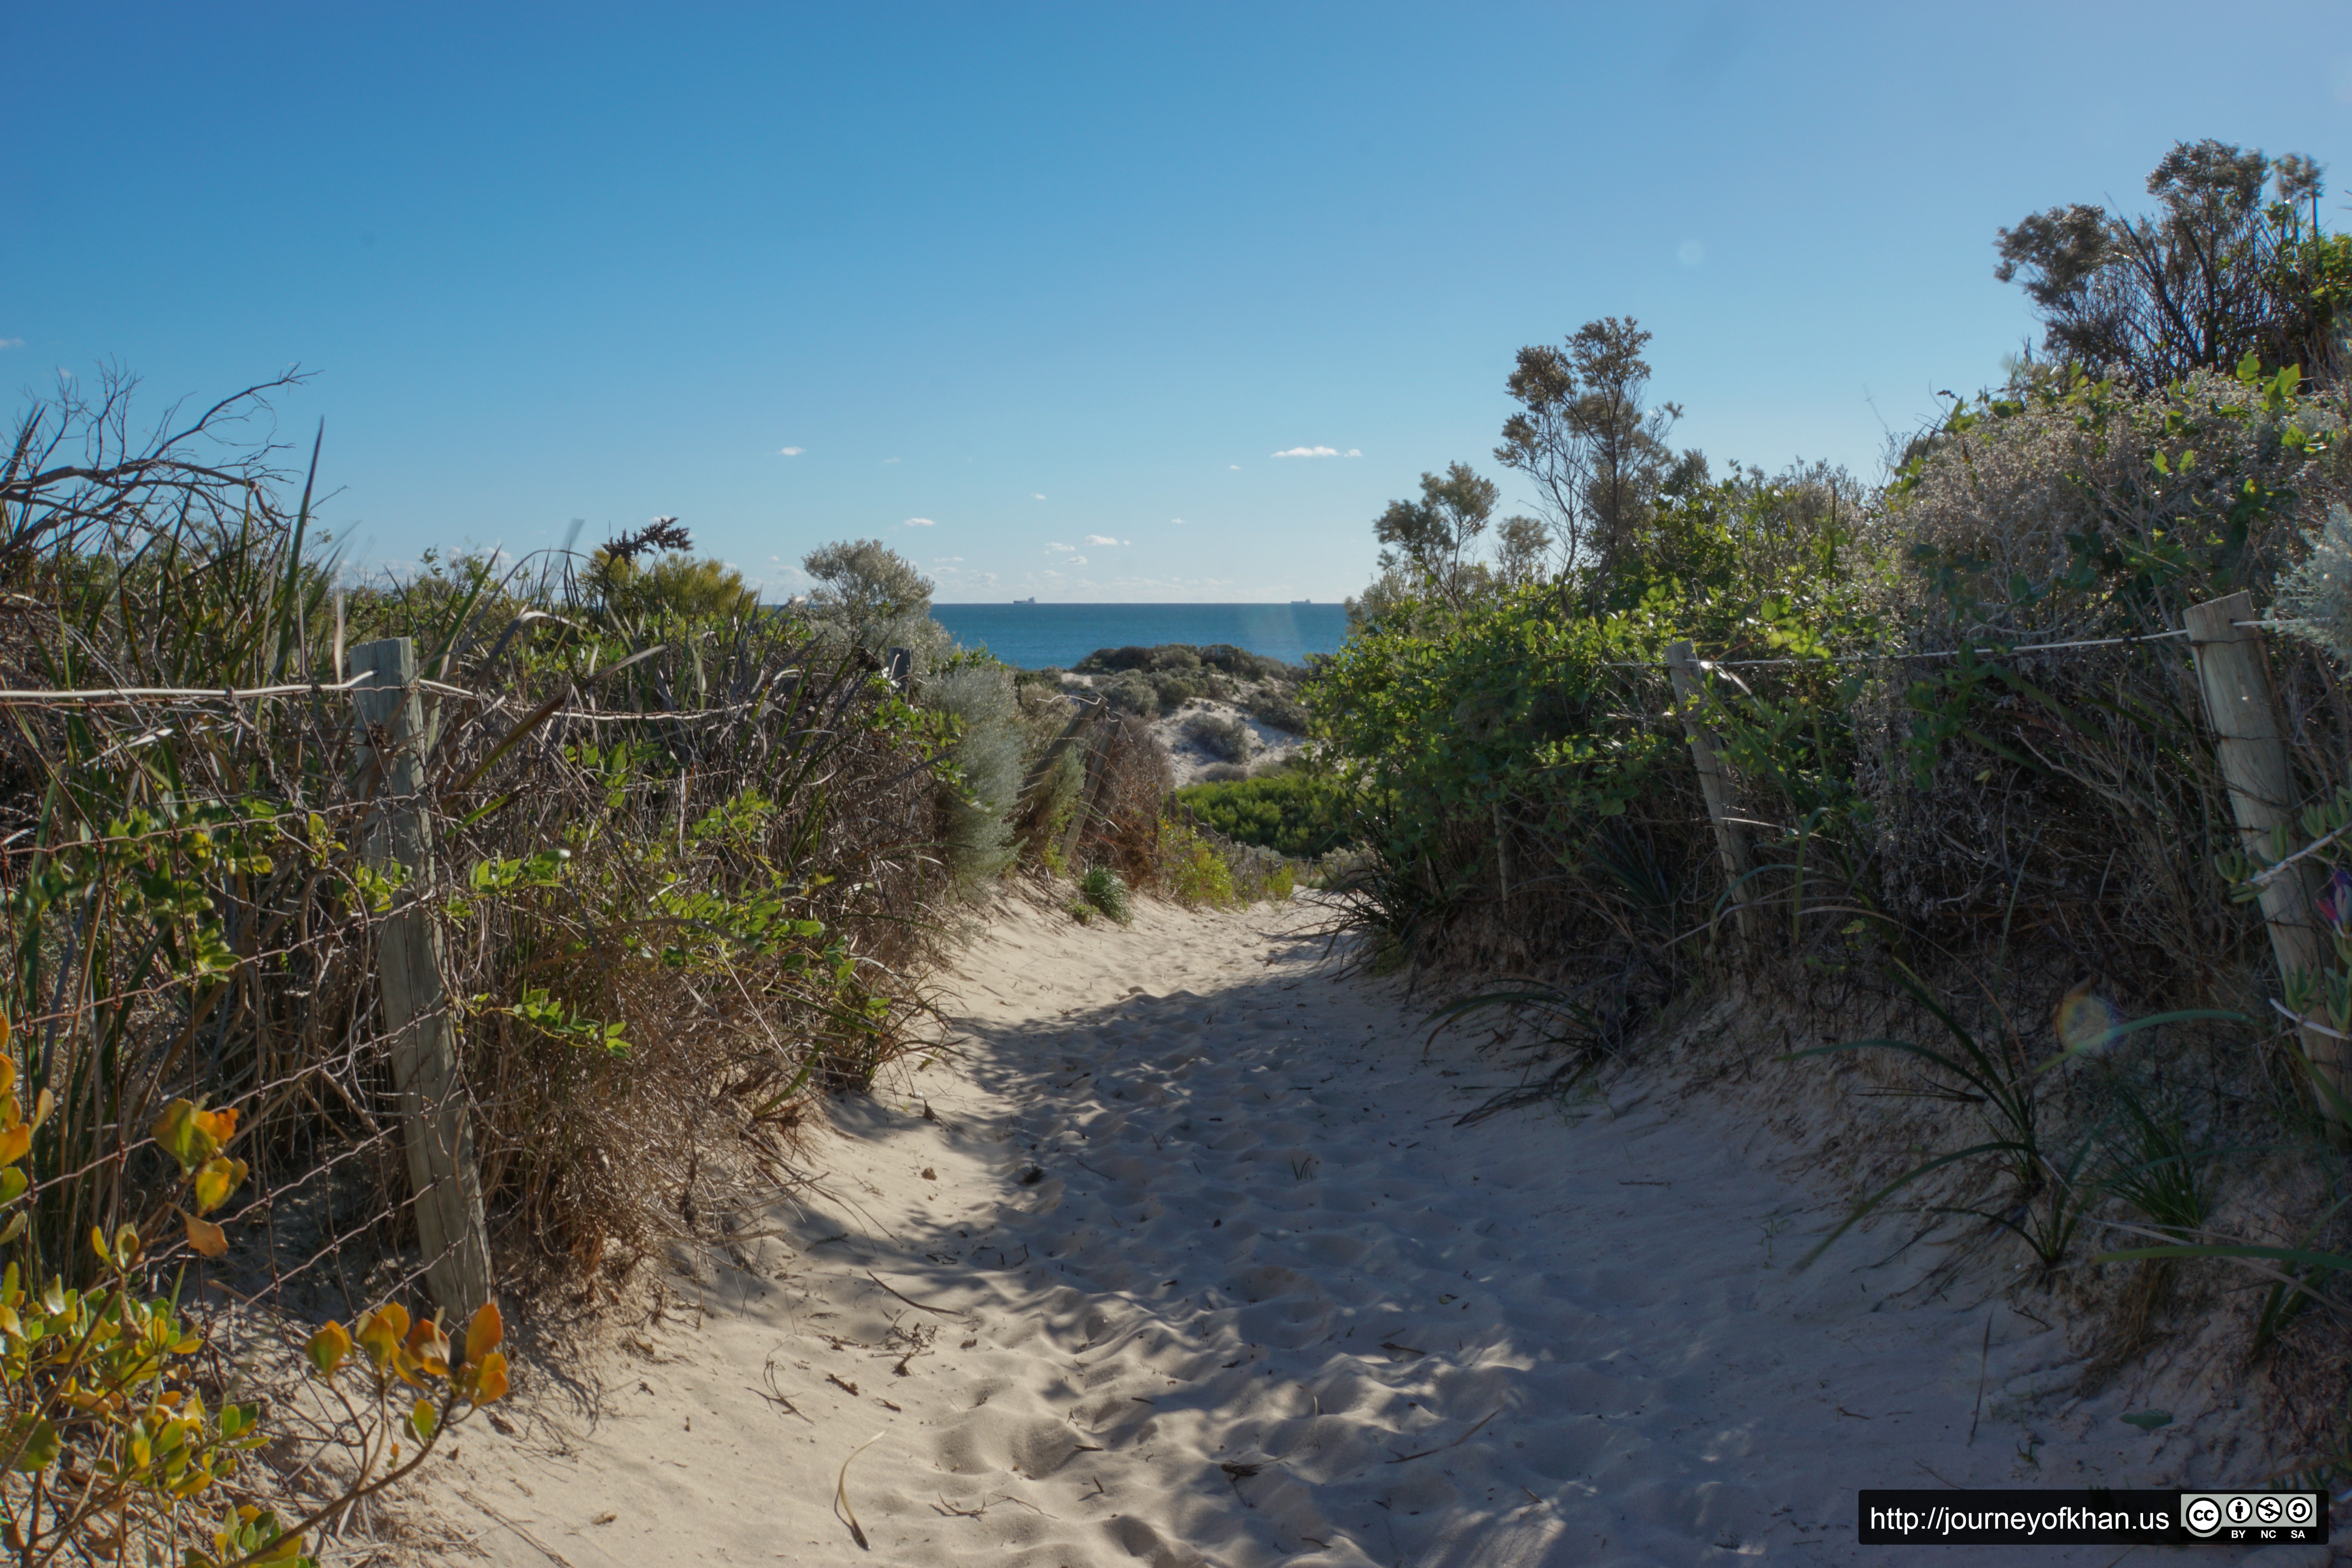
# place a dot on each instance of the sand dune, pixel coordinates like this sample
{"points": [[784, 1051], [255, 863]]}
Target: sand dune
{"points": [[1185, 1262]]}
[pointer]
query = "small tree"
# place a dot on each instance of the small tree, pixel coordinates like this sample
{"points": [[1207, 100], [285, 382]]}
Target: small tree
{"points": [[1596, 455], [2216, 274], [1429, 540], [877, 597]]}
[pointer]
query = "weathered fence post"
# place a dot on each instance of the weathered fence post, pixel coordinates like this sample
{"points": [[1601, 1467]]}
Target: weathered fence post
{"points": [[2241, 706], [451, 1226], [1097, 750], [1714, 784], [1070, 732]]}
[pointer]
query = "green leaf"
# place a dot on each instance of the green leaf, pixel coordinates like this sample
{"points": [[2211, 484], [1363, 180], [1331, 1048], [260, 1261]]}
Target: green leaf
{"points": [[34, 1442], [2149, 1420]]}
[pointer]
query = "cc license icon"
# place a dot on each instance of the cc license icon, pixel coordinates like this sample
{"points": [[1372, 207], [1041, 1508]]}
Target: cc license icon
{"points": [[2302, 1508], [2201, 1515]]}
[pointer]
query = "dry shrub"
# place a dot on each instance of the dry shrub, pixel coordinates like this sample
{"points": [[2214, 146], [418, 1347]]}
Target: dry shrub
{"points": [[1134, 782], [683, 868]]}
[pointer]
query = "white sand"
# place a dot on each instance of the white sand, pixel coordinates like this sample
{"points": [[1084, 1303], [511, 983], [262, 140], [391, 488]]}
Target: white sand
{"points": [[1258, 1305]]}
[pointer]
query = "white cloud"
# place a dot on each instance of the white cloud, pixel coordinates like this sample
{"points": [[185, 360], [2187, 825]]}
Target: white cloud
{"points": [[1355, 451], [1074, 561], [1061, 547], [890, 460], [1036, 495], [1309, 452], [1100, 539], [1177, 520], [12, 342], [918, 522], [1235, 467], [790, 451]]}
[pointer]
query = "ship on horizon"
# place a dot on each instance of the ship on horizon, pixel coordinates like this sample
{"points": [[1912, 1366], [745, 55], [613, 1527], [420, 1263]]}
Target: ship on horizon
{"points": [[1030, 600]]}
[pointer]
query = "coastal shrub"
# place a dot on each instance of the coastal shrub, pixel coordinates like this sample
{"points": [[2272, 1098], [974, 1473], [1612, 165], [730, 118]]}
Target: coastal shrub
{"points": [[1101, 891], [1292, 813], [1188, 866], [1173, 689], [989, 755], [1131, 692], [1219, 735], [1279, 709], [1123, 829], [682, 864], [872, 596]]}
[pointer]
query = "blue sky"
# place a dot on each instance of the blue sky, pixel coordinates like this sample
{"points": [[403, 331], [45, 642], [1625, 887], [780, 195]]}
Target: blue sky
{"points": [[1052, 278]]}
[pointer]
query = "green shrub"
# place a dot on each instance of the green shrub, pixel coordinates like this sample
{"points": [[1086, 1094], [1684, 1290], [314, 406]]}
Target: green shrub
{"points": [[1191, 870], [1101, 891], [987, 753], [1293, 813], [1278, 709], [1224, 738], [1131, 693]]}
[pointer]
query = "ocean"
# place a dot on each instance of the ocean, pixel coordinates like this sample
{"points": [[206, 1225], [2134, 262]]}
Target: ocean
{"points": [[1036, 636]]}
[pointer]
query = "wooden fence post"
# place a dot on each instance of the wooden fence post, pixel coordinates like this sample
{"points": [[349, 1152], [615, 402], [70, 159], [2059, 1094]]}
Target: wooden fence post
{"points": [[2241, 706], [1088, 713], [1106, 728], [450, 1225], [1714, 784]]}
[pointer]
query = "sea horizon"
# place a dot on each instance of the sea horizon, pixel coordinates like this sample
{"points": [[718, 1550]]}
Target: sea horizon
{"points": [[1055, 636]]}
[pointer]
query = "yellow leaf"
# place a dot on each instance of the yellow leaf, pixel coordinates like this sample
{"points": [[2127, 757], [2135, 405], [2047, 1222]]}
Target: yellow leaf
{"points": [[428, 1347], [484, 1333], [219, 1177], [7, 1075], [206, 1237], [490, 1386], [15, 1142], [381, 1333], [328, 1348], [220, 1126], [421, 1420], [43, 1104], [181, 1138]]}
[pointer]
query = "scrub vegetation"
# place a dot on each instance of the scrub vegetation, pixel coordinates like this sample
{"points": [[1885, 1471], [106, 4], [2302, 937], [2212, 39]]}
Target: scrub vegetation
{"points": [[1967, 749]]}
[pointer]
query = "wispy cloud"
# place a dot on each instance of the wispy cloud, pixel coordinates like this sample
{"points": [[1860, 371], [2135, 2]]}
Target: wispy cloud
{"points": [[1102, 539], [918, 522], [1177, 520], [1355, 451], [1036, 495], [1061, 547], [1074, 561], [12, 342], [790, 451], [1309, 452], [1235, 467], [886, 461]]}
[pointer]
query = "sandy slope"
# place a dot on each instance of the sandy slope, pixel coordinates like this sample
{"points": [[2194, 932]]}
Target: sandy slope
{"points": [[1264, 1304]]}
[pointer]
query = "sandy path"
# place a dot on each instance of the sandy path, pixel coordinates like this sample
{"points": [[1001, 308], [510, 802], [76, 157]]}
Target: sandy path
{"points": [[1266, 1304]]}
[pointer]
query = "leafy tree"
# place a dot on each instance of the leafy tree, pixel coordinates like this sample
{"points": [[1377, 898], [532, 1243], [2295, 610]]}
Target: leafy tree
{"points": [[1429, 540], [1598, 456], [2215, 275]]}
